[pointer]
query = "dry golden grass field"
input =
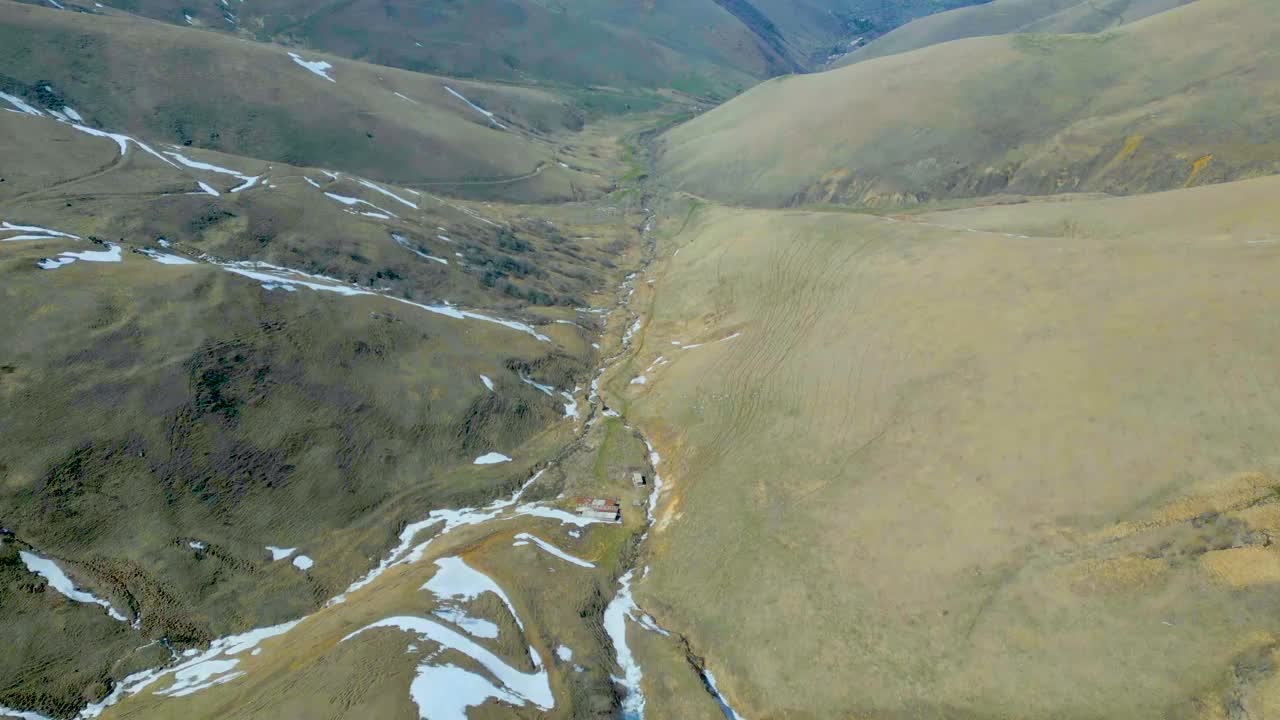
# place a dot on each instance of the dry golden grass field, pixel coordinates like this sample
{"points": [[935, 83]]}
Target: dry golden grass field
{"points": [[1014, 461]]}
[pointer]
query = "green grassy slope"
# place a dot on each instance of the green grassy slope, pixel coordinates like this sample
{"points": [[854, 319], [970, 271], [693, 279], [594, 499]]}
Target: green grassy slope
{"points": [[1009, 16], [148, 406], [709, 48], [1182, 98], [1006, 462], [197, 88], [598, 42]]}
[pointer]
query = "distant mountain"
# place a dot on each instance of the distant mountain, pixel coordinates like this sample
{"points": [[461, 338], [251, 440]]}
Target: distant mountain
{"points": [[1182, 98], [1010, 16], [710, 48]]}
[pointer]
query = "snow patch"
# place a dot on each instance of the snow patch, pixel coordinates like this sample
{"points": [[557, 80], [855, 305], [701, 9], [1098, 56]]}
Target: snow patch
{"points": [[165, 258], [59, 581], [456, 580], [20, 104], [492, 458], [279, 553], [285, 277], [623, 606], [122, 141], [446, 691], [198, 165], [8, 226], [213, 666], [349, 201], [388, 193], [554, 550], [21, 714], [111, 254], [475, 627], [570, 405], [475, 107], [318, 67], [248, 183]]}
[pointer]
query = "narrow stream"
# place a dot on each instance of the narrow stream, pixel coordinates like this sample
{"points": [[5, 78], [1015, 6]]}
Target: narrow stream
{"points": [[709, 684], [623, 605]]}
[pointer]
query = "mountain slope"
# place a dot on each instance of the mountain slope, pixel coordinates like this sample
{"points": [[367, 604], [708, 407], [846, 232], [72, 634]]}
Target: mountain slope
{"points": [[977, 460], [200, 366], [711, 48], [600, 42], [187, 87], [1009, 16], [1181, 98]]}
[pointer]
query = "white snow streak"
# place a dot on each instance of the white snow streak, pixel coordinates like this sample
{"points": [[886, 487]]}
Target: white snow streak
{"points": [[446, 691], [388, 193], [122, 141], [615, 625], [319, 67], [166, 259], [278, 553], [111, 254], [554, 550], [59, 581], [20, 104], [475, 107], [287, 278]]}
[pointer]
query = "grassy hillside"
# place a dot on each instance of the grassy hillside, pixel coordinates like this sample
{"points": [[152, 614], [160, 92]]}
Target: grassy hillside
{"points": [[1181, 98], [708, 48], [1009, 16], [1006, 462], [164, 423], [201, 89], [599, 42]]}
